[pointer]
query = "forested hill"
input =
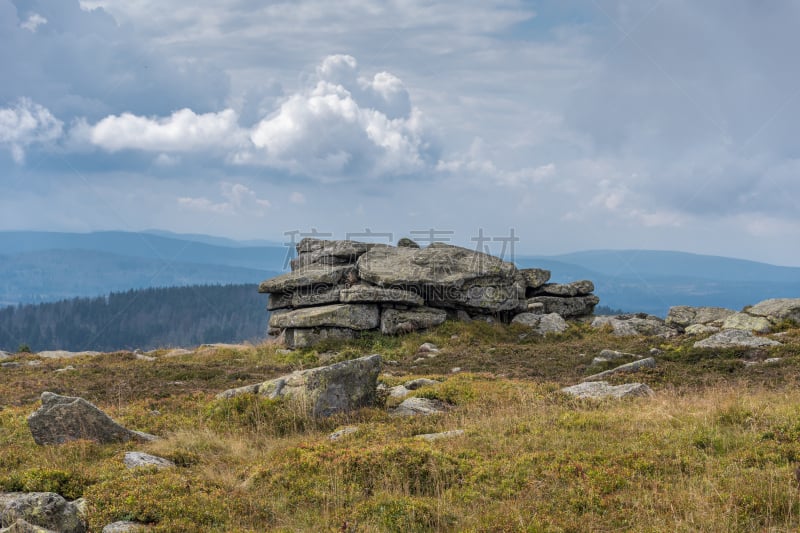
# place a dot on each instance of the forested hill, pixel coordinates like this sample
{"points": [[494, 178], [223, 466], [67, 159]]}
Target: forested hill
{"points": [[144, 318]]}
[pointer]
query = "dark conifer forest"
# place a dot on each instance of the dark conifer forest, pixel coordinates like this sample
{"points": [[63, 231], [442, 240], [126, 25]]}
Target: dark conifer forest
{"points": [[145, 319]]}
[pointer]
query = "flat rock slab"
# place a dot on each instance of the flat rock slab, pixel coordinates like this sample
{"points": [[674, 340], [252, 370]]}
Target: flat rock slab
{"points": [[367, 294], [312, 251], [352, 316], [137, 459], [630, 367], [701, 329], [777, 309], [305, 338], [566, 307], [395, 321], [601, 390], [735, 338], [62, 419], [419, 406], [534, 277], [757, 324], [325, 390], [542, 324], [46, 510], [576, 288], [63, 354], [311, 276]]}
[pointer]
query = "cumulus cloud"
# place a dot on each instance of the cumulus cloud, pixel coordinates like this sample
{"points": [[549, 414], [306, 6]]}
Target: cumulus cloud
{"points": [[345, 126], [238, 200], [33, 21], [25, 124], [478, 165]]}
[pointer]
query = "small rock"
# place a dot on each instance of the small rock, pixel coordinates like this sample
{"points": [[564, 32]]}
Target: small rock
{"points": [[419, 406], [137, 459], [733, 338], [428, 347], [656, 351], [124, 526], [630, 367], [65, 369], [601, 389], [399, 392], [415, 384], [443, 435], [772, 360], [143, 357], [453, 337], [34, 363], [701, 329], [455, 370], [348, 430], [405, 242], [613, 355]]}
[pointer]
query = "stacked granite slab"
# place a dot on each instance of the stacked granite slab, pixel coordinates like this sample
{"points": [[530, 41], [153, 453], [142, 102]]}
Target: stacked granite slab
{"points": [[337, 289]]}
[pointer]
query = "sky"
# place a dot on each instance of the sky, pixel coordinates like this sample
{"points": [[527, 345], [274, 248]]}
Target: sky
{"points": [[569, 124]]}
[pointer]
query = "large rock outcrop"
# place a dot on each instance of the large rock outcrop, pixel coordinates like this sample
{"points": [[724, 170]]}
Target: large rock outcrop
{"points": [[325, 390], [62, 419], [38, 511], [337, 289]]}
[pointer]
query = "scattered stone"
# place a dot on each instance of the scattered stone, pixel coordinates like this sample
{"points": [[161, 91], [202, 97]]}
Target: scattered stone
{"points": [[576, 288], [637, 324], [307, 337], [351, 316], [683, 316], [348, 430], [601, 390], [428, 347], [325, 390], [415, 384], [419, 406], [542, 324], [395, 321], [137, 459], [65, 369], [124, 526], [777, 309], [630, 367], [62, 418], [455, 370], [63, 354], [398, 391], [578, 306], [701, 329], [772, 360], [656, 351], [311, 276], [534, 277], [367, 294], [612, 355], [443, 435], [744, 321], [734, 338], [43, 509]]}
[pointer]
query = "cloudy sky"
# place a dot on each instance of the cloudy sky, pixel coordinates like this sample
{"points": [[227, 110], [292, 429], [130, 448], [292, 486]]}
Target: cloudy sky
{"points": [[585, 124]]}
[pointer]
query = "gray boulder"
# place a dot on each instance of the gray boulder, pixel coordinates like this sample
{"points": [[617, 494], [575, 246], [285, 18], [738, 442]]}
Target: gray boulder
{"points": [[395, 321], [627, 368], [578, 306], [419, 406], [325, 252], [341, 433], [46, 510], [683, 316], [325, 390], [601, 390], [542, 324], [305, 338], [137, 459], [352, 316], [415, 384], [576, 288], [368, 293], [312, 276], [446, 276], [534, 277], [405, 242], [777, 309], [21, 526], [757, 324], [735, 338], [612, 355], [701, 329], [63, 418], [309, 296], [632, 325]]}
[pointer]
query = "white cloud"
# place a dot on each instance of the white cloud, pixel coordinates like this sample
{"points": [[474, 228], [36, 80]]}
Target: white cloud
{"points": [[238, 200], [478, 165], [183, 131], [343, 127], [33, 22], [297, 198], [25, 124]]}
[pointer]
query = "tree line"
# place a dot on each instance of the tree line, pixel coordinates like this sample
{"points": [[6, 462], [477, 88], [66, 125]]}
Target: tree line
{"points": [[141, 318]]}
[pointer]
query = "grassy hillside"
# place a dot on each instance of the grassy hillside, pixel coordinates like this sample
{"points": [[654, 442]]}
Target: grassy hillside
{"points": [[714, 450]]}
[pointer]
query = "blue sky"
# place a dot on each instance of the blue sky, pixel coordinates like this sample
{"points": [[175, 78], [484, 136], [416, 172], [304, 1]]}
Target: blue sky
{"points": [[580, 124]]}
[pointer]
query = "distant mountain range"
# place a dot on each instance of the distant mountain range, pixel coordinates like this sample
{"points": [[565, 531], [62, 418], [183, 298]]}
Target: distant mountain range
{"points": [[46, 266]]}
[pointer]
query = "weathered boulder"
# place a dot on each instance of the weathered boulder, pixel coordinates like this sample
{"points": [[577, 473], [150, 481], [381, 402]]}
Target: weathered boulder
{"points": [[405, 242], [701, 329], [324, 252], [576, 288], [757, 324], [631, 325], [341, 433], [63, 418], [352, 316], [630, 367], [43, 509], [578, 306], [304, 297], [307, 337], [542, 324], [777, 309], [446, 275], [612, 355], [394, 321], [325, 390], [419, 406], [22, 526], [137, 459], [683, 316], [311, 276], [415, 384], [368, 293], [601, 390], [734, 338], [534, 277]]}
